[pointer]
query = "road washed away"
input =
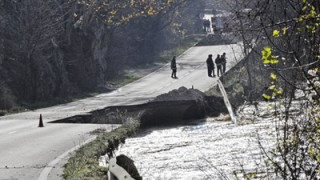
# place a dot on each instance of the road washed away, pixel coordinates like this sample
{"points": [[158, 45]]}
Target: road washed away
{"points": [[210, 149]]}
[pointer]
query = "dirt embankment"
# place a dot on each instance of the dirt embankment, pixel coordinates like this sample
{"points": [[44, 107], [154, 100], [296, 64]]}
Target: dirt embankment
{"points": [[177, 106]]}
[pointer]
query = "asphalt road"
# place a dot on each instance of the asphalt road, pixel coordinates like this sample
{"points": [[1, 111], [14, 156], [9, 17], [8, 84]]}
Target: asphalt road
{"points": [[26, 151]]}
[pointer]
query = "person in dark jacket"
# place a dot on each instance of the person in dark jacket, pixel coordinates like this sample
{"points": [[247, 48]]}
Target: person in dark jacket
{"points": [[218, 62], [174, 67], [210, 66], [224, 62]]}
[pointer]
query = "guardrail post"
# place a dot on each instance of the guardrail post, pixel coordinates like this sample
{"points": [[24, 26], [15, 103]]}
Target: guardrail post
{"points": [[226, 101], [117, 171]]}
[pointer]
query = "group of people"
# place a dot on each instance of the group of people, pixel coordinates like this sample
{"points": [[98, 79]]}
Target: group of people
{"points": [[220, 61]]}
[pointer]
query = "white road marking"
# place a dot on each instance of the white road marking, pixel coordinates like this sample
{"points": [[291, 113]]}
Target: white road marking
{"points": [[12, 132], [45, 172]]}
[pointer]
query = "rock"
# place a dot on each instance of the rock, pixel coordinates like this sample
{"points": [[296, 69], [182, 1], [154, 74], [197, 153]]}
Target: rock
{"points": [[128, 164]]}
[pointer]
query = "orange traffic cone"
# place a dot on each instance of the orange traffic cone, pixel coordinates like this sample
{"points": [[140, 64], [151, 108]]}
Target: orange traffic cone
{"points": [[40, 121]]}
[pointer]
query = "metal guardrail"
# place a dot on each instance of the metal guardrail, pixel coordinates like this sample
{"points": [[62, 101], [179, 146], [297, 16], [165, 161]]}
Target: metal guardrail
{"points": [[227, 102], [115, 171]]}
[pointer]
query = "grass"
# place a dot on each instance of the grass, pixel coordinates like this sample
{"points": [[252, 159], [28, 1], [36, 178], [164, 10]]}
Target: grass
{"points": [[84, 164], [130, 75], [124, 79], [134, 73], [167, 55]]}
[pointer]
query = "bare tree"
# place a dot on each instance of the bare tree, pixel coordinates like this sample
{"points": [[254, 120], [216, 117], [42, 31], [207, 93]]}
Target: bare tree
{"points": [[287, 36], [33, 28]]}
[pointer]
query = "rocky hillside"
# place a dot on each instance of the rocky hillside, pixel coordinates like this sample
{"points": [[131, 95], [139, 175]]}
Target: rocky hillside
{"points": [[55, 49]]}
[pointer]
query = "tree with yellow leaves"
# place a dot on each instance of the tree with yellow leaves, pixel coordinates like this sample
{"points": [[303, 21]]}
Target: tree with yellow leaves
{"points": [[286, 36]]}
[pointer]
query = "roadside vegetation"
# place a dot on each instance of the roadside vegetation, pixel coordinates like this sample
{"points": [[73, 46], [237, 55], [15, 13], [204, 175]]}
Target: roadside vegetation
{"points": [[135, 72], [84, 163], [54, 51], [284, 36], [242, 86], [281, 40], [126, 75]]}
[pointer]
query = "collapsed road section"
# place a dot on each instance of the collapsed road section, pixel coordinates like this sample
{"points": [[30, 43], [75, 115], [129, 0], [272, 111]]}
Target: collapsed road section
{"points": [[176, 106]]}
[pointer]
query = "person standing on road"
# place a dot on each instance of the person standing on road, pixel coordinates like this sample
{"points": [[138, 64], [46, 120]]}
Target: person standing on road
{"points": [[224, 62], [210, 66], [174, 67], [218, 62]]}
